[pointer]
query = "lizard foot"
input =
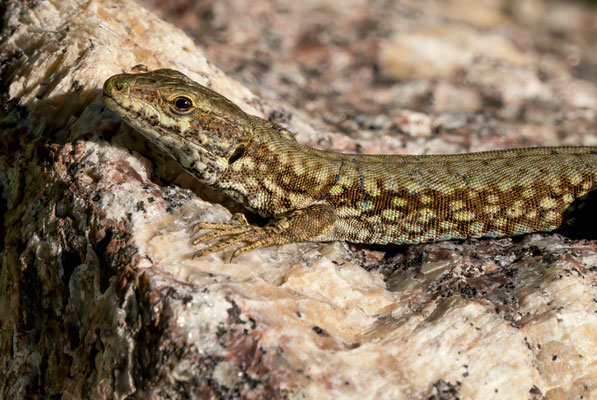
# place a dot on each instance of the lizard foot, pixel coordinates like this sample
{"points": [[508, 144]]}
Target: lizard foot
{"points": [[296, 226]]}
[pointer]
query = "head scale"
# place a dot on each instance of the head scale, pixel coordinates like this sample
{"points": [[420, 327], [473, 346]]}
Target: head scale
{"points": [[202, 130]]}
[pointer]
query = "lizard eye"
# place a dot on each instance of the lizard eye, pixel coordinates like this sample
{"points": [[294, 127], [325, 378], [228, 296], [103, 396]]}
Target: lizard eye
{"points": [[182, 104]]}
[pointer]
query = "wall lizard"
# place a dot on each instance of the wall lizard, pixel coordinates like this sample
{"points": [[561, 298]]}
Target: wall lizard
{"points": [[316, 195]]}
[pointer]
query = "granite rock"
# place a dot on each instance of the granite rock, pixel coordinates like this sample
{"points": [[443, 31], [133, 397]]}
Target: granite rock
{"points": [[102, 298]]}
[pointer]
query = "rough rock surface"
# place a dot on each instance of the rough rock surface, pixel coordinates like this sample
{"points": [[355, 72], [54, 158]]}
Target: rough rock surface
{"points": [[101, 297]]}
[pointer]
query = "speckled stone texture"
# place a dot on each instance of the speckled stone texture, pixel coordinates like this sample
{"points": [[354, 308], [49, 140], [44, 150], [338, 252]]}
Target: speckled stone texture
{"points": [[100, 296]]}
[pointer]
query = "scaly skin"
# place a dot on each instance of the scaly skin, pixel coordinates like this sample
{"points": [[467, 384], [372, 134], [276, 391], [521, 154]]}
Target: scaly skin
{"points": [[314, 195]]}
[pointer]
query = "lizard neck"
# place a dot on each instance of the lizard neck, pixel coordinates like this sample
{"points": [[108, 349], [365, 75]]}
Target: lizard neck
{"points": [[276, 174]]}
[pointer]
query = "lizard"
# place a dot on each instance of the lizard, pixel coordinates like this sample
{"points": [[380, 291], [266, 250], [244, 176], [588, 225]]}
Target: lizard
{"points": [[309, 194]]}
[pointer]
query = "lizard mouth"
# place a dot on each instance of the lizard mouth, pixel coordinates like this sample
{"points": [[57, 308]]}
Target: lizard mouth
{"points": [[148, 119], [136, 111]]}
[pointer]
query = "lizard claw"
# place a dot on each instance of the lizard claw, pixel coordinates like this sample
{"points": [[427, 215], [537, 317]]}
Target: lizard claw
{"points": [[231, 232], [237, 219], [248, 234], [220, 231], [295, 226]]}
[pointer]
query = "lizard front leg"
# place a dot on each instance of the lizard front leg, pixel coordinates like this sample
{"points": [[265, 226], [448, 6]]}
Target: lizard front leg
{"points": [[296, 226]]}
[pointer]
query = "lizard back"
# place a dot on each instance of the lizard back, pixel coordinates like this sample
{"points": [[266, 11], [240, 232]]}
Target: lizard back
{"points": [[412, 199]]}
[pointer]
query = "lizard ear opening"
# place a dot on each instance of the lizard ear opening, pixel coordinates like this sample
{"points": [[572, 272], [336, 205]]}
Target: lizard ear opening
{"points": [[237, 154]]}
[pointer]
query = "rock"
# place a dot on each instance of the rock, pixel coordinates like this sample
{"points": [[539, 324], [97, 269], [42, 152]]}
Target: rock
{"points": [[101, 296]]}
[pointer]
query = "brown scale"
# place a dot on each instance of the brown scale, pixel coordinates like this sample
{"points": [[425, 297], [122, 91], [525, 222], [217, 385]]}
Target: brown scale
{"points": [[354, 194]]}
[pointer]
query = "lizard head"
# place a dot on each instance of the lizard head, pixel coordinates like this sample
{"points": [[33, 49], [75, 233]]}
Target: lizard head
{"points": [[202, 130]]}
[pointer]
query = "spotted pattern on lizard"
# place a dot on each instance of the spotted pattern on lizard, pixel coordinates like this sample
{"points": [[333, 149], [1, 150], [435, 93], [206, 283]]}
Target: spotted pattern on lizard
{"points": [[316, 195]]}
